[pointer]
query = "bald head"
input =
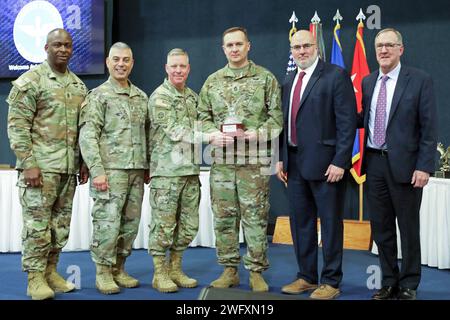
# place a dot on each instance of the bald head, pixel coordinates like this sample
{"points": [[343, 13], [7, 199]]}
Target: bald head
{"points": [[59, 49], [304, 49], [58, 33], [303, 36]]}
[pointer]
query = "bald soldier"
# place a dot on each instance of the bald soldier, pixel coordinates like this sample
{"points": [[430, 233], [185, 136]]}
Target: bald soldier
{"points": [[113, 142], [175, 186], [44, 105]]}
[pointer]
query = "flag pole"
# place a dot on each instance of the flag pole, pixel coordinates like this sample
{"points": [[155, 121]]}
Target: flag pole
{"points": [[292, 20], [291, 66], [361, 194], [361, 17], [337, 17]]}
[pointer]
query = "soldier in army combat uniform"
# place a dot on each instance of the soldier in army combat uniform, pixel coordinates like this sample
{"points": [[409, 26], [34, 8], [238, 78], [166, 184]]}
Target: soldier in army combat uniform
{"points": [[249, 95], [113, 141], [44, 105], [175, 187]]}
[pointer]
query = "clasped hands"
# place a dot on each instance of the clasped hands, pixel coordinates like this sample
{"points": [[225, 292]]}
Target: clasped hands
{"points": [[220, 139]]}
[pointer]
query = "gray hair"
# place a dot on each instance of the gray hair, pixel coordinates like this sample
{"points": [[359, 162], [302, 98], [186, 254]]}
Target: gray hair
{"points": [[397, 33], [177, 52], [119, 45]]}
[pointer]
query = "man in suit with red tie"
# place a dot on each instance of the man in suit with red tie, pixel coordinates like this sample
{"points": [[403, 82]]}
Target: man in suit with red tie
{"points": [[319, 110], [399, 113]]}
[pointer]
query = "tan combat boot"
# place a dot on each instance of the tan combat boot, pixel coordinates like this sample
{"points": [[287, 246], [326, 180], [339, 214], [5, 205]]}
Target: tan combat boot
{"points": [[122, 278], [257, 282], [38, 288], [104, 280], [229, 278], [176, 274], [55, 281], [161, 280]]}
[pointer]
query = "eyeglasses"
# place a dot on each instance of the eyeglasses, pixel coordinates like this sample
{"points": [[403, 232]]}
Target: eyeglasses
{"points": [[305, 46], [388, 46]]}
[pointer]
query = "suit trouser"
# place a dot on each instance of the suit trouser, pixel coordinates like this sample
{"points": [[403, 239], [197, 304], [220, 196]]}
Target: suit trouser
{"points": [[46, 215], [309, 200], [388, 200]]}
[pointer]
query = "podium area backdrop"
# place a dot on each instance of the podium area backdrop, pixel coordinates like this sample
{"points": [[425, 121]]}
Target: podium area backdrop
{"points": [[153, 27]]}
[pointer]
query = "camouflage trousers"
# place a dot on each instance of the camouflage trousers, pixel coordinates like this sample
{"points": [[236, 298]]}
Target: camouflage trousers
{"points": [[116, 215], [46, 213], [240, 193], [174, 202]]}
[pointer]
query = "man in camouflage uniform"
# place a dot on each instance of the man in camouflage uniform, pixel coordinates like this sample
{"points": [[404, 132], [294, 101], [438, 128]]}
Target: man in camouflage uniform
{"points": [[175, 187], [250, 95], [113, 142], [44, 105]]}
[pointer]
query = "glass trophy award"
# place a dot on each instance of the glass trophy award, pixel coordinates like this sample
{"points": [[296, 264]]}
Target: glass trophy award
{"points": [[444, 159], [232, 124]]}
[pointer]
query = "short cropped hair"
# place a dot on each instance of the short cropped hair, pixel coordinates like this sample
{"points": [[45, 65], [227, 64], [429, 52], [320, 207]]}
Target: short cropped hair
{"points": [[51, 32], [120, 45], [177, 52], [234, 29]]}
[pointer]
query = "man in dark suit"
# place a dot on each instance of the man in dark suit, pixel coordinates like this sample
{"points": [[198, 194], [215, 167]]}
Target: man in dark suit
{"points": [[400, 124], [319, 110]]}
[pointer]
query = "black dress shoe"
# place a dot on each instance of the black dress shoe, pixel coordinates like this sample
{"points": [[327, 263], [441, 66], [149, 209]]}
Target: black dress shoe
{"points": [[406, 294], [386, 293]]}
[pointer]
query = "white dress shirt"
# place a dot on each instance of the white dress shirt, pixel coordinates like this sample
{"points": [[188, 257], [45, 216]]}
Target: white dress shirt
{"points": [[308, 73], [391, 82]]}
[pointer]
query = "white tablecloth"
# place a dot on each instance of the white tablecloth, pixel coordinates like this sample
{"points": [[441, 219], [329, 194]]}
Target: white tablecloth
{"points": [[434, 225], [81, 226]]}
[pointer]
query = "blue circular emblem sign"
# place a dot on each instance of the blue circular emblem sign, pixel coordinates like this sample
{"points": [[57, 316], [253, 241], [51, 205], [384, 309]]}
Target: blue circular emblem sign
{"points": [[31, 27]]}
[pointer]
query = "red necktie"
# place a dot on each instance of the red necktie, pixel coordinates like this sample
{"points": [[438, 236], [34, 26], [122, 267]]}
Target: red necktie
{"points": [[295, 106]]}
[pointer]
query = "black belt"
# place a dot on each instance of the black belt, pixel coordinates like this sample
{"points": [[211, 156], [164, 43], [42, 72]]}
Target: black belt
{"points": [[292, 148], [381, 152]]}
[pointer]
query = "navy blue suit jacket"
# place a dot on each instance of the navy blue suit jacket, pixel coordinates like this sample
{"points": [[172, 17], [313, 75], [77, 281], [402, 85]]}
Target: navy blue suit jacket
{"points": [[326, 121], [411, 133]]}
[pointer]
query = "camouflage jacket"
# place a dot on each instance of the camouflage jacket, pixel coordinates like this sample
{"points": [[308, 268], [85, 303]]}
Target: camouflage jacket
{"points": [[114, 128], [255, 96], [174, 142], [43, 120]]}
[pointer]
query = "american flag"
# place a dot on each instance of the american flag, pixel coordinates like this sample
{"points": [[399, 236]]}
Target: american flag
{"points": [[291, 66]]}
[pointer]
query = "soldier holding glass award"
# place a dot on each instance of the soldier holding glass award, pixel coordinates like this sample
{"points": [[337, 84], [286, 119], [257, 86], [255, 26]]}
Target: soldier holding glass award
{"points": [[232, 125], [240, 111]]}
